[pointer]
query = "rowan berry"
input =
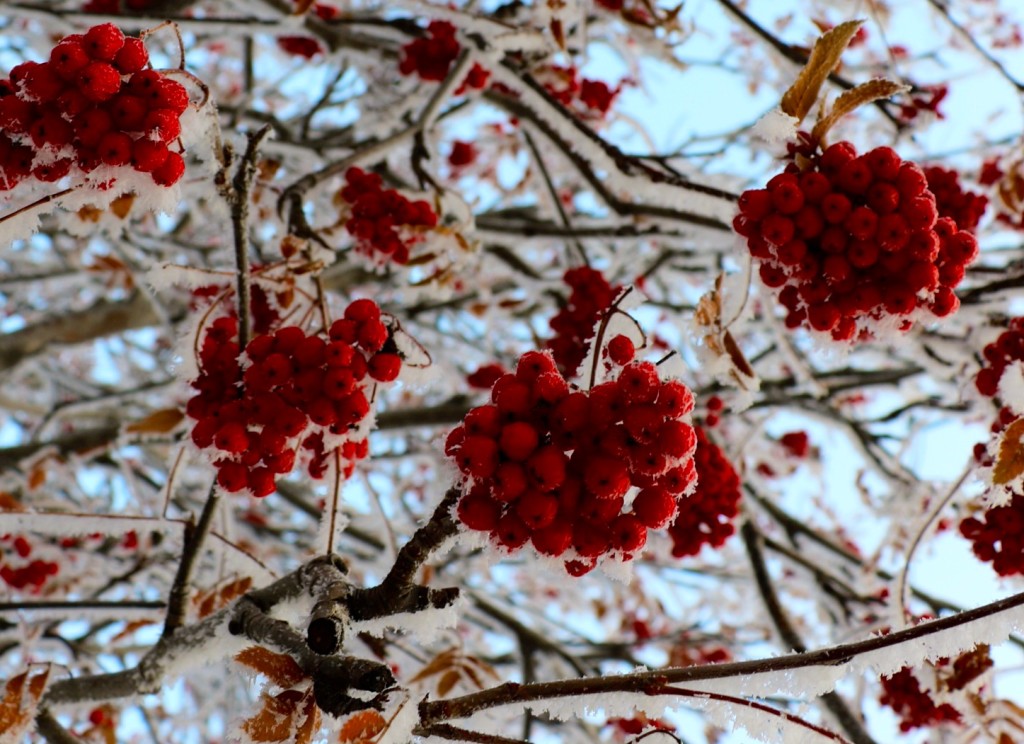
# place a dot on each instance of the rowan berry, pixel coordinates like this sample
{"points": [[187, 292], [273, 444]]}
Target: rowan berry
{"points": [[68, 57], [132, 57], [103, 42], [171, 171]]}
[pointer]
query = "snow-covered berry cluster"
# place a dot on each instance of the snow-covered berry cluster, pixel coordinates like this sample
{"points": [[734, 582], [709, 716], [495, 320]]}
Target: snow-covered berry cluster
{"points": [[1006, 350], [296, 395], [431, 57], [384, 223], [902, 692], [590, 296], [965, 208], [585, 96], [92, 103], [32, 573], [849, 240], [997, 536], [705, 517], [580, 474]]}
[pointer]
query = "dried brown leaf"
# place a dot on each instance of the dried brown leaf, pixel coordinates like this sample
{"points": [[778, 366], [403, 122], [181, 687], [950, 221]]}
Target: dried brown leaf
{"points": [[1010, 460], [275, 719], [310, 724], [10, 503], [122, 205], [280, 669], [869, 92], [158, 422], [362, 727], [442, 662], [89, 213], [736, 355], [131, 628], [803, 93], [709, 309], [968, 667], [20, 701], [448, 680]]}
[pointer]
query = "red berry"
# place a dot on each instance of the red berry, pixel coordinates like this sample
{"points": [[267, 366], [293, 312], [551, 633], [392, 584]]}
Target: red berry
{"points": [[518, 440], [384, 367], [621, 350], [132, 57], [103, 42], [654, 507], [171, 171], [99, 81], [115, 148]]}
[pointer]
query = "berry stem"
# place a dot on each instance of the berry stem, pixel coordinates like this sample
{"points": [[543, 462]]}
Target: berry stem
{"points": [[602, 329], [237, 195]]}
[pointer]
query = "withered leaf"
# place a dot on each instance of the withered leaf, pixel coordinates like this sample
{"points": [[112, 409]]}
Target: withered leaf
{"points": [[1010, 460], [803, 93], [122, 205], [969, 666], [865, 93], [361, 727], [310, 724], [158, 422], [280, 669], [275, 719], [448, 680]]}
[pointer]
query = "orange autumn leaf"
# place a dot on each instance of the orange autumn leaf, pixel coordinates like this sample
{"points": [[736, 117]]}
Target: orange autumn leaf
{"points": [[158, 422], [280, 669], [310, 724], [122, 205], [803, 94], [20, 701], [361, 727], [275, 720], [1010, 460]]}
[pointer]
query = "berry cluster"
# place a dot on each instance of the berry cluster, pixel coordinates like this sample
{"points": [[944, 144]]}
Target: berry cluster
{"points": [[965, 208], [568, 88], [902, 692], [847, 241], [34, 573], [431, 57], [998, 536], [924, 99], [705, 518], [557, 467], [383, 221], [91, 104], [574, 324], [300, 395], [1006, 350]]}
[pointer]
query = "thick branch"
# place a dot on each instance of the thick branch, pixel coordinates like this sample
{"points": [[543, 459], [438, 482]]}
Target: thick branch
{"points": [[643, 682]]}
